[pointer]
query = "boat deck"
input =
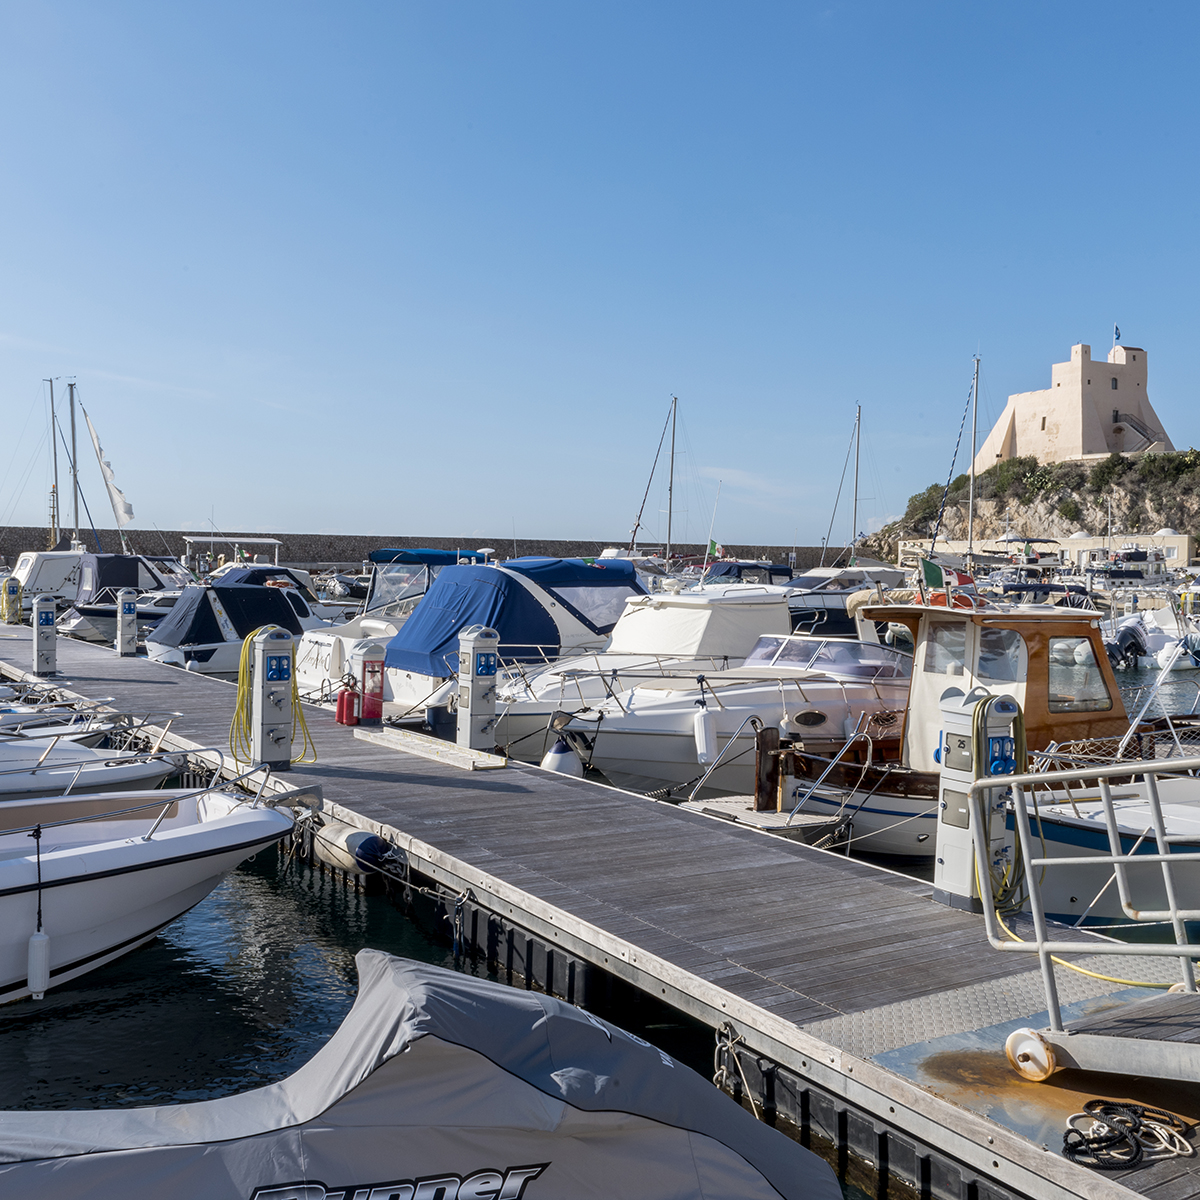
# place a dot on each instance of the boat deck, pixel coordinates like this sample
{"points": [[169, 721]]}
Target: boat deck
{"points": [[847, 975]]}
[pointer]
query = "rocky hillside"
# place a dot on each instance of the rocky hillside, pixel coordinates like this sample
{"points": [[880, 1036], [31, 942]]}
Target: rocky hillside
{"points": [[1056, 499]]}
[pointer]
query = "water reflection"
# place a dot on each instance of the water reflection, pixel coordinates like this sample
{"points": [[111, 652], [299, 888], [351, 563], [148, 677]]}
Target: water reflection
{"points": [[239, 992]]}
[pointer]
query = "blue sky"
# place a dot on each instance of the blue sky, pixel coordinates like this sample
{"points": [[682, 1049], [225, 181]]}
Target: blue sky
{"points": [[437, 268]]}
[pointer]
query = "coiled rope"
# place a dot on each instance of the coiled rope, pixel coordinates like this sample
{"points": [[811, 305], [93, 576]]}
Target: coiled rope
{"points": [[1119, 1136]]}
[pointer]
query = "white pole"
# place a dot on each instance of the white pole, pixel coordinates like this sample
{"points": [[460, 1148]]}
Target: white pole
{"points": [[711, 526], [854, 511], [74, 462], [671, 481], [971, 493]]}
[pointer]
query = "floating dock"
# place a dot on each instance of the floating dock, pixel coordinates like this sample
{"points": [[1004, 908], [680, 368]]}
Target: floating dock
{"points": [[850, 1007]]}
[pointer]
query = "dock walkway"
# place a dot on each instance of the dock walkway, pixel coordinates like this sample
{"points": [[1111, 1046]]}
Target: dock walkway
{"points": [[847, 985]]}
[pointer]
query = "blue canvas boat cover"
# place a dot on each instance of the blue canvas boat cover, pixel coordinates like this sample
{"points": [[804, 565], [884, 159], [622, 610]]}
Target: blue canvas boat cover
{"points": [[459, 597], [429, 558], [427, 643]]}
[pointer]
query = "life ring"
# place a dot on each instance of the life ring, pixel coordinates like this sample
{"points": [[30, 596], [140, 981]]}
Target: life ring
{"points": [[958, 600]]}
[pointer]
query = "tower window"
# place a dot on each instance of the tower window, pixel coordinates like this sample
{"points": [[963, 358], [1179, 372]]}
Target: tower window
{"points": [[1043, 422], [1116, 416], [1114, 383]]}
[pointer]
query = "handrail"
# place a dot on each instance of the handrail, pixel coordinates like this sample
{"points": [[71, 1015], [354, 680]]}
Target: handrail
{"points": [[126, 811], [833, 762], [752, 720], [1034, 864]]}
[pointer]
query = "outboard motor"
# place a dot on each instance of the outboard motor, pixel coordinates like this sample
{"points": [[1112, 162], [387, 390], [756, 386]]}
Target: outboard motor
{"points": [[1128, 644]]}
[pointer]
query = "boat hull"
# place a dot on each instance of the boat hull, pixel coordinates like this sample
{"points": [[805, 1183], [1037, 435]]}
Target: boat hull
{"points": [[105, 900]]}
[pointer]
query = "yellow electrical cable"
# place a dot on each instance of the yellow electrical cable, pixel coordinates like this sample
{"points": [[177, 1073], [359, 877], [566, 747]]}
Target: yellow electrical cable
{"points": [[1022, 765], [240, 725]]}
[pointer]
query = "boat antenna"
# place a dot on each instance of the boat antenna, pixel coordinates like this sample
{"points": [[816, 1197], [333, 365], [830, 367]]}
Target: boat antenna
{"points": [[638, 523], [671, 482], [711, 526], [971, 492], [54, 451]]}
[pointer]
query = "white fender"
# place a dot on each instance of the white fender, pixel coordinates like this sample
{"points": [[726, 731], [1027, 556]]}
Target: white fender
{"points": [[704, 730], [561, 758]]}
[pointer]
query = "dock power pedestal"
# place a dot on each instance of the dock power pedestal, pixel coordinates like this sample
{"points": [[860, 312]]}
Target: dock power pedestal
{"points": [[478, 661], [127, 623], [977, 741], [45, 636], [271, 699]]}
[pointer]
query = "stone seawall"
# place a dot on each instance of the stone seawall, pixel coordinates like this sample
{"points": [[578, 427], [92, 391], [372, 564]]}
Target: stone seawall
{"points": [[311, 549]]}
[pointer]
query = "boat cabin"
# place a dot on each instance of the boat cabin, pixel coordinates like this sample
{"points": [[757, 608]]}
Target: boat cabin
{"points": [[1052, 661]]}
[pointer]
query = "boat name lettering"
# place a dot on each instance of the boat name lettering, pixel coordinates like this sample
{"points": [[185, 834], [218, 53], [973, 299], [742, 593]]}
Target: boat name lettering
{"points": [[508, 1184]]}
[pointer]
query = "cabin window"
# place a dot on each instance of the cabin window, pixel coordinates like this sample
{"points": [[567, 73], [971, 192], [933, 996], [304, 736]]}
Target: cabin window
{"points": [[1076, 681], [946, 649], [1000, 655]]}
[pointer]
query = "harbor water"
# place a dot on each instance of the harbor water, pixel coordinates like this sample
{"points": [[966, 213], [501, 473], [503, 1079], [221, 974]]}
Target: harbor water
{"points": [[239, 992]]}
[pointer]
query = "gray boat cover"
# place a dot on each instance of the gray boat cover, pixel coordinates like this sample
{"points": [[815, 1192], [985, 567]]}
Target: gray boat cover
{"points": [[437, 1086]]}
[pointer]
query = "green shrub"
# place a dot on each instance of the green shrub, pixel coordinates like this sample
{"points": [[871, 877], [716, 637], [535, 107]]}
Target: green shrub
{"points": [[923, 507], [1104, 474], [1069, 510]]}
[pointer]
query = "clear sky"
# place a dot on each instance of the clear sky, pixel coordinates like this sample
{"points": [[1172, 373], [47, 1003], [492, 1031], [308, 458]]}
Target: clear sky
{"points": [[437, 268]]}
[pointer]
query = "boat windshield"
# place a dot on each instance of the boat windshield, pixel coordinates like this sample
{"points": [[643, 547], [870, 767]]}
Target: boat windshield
{"points": [[831, 656], [394, 583]]}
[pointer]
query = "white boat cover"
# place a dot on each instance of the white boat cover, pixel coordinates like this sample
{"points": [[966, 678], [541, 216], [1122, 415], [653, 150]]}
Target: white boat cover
{"points": [[437, 1086]]}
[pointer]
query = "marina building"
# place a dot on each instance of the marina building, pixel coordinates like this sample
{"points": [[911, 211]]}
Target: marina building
{"points": [[1090, 410]]}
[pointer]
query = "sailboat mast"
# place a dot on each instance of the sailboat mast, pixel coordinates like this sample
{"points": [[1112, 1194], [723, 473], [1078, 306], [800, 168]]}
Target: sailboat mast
{"points": [[54, 455], [854, 510], [74, 462], [671, 480], [971, 492]]}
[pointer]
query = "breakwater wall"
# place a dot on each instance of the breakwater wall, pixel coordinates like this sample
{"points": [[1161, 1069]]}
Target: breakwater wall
{"points": [[313, 549]]}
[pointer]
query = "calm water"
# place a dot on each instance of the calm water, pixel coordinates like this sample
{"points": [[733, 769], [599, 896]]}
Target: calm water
{"points": [[239, 992]]}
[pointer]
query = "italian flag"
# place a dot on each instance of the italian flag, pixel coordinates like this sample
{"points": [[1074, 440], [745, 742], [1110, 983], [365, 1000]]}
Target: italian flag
{"points": [[936, 576], [715, 551]]}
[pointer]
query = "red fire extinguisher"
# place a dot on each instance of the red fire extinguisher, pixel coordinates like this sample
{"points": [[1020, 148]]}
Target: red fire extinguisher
{"points": [[346, 714]]}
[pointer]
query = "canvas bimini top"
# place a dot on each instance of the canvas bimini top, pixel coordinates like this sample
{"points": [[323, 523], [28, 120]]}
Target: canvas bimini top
{"points": [[462, 596], [437, 1086]]}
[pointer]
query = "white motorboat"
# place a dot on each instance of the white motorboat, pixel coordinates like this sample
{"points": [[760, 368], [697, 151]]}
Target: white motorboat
{"points": [[398, 581], [667, 633], [205, 629], [437, 1085], [94, 579], [543, 609], [100, 874], [35, 767], [670, 732]]}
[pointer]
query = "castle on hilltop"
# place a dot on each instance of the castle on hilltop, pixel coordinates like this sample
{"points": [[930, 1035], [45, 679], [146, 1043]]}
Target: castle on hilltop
{"points": [[1090, 410]]}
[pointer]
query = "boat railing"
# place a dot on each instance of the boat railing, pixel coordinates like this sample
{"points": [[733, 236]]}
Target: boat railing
{"points": [[860, 734], [280, 799], [126, 759], [1036, 863], [755, 723]]}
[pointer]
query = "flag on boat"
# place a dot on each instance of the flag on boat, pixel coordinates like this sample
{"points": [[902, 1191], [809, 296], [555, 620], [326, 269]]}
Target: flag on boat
{"points": [[122, 509], [715, 551], [936, 576]]}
